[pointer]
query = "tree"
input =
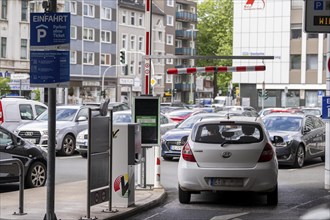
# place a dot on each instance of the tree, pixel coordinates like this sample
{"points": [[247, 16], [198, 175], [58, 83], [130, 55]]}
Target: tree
{"points": [[4, 86], [215, 37]]}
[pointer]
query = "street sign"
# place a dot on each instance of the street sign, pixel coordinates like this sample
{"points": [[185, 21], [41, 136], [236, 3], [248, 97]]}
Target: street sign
{"points": [[50, 49], [153, 82], [326, 107], [19, 76], [317, 16]]}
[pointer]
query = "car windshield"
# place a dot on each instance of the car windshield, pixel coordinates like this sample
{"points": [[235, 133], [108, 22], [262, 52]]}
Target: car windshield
{"points": [[122, 118], [283, 123], [62, 114]]}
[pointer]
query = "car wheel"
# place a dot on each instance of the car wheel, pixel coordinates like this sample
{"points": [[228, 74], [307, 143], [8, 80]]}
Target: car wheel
{"points": [[167, 158], [84, 155], [184, 196], [323, 158], [36, 175], [68, 145], [300, 157], [272, 197]]}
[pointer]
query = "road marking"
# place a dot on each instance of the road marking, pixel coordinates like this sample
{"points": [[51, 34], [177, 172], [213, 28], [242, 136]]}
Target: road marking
{"points": [[230, 216], [155, 214]]}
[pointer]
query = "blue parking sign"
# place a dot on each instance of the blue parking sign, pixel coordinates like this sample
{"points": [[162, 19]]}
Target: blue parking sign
{"points": [[326, 107], [50, 49], [318, 5]]}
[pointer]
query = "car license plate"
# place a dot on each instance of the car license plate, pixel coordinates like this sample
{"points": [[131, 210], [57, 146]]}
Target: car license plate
{"points": [[176, 147], [238, 182], [33, 141]]}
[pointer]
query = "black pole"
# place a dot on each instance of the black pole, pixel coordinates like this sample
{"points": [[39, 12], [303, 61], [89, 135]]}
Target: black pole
{"points": [[50, 214]]}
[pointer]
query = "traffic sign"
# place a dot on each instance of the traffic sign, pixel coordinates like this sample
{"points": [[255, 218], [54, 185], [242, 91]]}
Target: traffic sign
{"points": [[50, 49], [326, 107], [317, 16]]}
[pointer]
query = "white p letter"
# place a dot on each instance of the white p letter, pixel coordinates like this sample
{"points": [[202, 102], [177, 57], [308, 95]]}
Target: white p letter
{"points": [[41, 33]]}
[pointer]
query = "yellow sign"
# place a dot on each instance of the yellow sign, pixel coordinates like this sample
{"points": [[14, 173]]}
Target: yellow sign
{"points": [[153, 81]]}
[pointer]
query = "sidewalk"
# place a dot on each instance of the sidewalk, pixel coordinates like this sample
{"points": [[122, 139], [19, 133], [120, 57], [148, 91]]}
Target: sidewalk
{"points": [[71, 203]]}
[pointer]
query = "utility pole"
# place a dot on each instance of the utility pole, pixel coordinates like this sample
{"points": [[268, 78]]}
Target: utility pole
{"points": [[50, 6]]}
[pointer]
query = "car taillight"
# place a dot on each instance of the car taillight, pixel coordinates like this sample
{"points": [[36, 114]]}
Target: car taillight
{"points": [[1, 114], [267, 153], [187, 154]]}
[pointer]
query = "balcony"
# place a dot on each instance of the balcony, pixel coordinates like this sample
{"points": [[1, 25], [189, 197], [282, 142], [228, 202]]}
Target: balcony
{"points": [[186, 16], [184, 34], [185, 51]]}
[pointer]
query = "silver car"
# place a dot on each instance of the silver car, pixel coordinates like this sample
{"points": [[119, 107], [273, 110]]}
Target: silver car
{"points": [[70, 120]]}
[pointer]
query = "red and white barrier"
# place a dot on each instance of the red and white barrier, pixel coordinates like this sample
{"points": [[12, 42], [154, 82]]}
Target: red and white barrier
{"points": [[210, 69]]}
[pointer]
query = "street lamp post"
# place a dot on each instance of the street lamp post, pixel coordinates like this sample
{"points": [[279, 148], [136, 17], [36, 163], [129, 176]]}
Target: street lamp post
{"points": [[102, 89], [192, 62]]}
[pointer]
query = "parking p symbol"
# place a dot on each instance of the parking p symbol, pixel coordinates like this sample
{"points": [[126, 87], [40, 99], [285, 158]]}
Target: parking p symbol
{"points": [[41, 33], [318, 5]]}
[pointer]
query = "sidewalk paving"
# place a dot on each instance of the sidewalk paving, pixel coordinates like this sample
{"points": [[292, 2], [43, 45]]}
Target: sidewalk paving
{"points": [[71, 203]]}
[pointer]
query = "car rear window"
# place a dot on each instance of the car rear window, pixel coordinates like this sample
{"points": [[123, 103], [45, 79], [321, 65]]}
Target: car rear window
{"points": [[235, 133]]}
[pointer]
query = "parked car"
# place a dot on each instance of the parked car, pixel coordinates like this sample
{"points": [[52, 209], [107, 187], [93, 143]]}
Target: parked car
{"points": [[115, 106], [17, 110], [245, 110], [34, 160], [312, 111], [180, 115], [70, 120], [173, 140], [121, 117], [303, 135], [266, 111], [240, 157]]}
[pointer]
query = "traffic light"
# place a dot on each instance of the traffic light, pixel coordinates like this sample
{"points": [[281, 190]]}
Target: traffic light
{"points": [[265, 94], [122, 57]]}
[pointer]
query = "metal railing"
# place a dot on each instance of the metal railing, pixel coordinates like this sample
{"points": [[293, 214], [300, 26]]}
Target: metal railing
{"points": [[21, 182]]}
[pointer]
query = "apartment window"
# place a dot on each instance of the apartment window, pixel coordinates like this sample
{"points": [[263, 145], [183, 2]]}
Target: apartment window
{"points": [[140, 68], [324, 62], [169, 39], [131, 67], [169, 20], [24, 49], [124, 41], [133, 42], [88, 58], [132, 18], [106, 13], [179, 7], [193, 10], [73, 7], [160, 36], [140, 43], [24, 10], [296, 4], [295, 33], [312, 35], [141, 20], [105, 59], [311, 63], [170, 3], [3, 47], [73, 57], [3, 11], [169, 61], [73, 32], [89, 10], [123, 17], [178, 43], [106, 36], [88, 34], [295, 61]]}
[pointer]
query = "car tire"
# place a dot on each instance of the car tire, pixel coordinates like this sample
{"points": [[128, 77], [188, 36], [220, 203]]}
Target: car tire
{"points": [[323, 158], [68, 145], [300, 157], [184, 196], [272, 197], [36, 175]]}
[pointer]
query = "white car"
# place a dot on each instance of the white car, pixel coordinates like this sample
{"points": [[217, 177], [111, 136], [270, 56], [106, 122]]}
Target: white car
{"points": [[237, 156]]}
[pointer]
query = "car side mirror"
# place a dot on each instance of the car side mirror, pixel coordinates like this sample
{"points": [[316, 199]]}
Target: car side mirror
{"points": [[82, 118], [277, 139]]}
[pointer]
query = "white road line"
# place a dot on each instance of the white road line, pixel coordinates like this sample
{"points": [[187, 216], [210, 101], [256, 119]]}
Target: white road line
{"points": [[230, 216], [155, 215]]}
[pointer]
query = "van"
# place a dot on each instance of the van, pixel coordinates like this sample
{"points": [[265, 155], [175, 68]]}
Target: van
{"points": [[17, 110], [220, 101]]}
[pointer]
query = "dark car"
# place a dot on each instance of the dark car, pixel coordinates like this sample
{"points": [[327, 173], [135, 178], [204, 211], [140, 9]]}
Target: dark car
{"points": [[173, 140], [303, 137], [34, 160]]}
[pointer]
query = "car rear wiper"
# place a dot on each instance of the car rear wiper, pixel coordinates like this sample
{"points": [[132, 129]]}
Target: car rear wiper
{"points": [[230, 142]]}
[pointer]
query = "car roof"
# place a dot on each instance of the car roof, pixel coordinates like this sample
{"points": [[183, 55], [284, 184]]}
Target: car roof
{"points": [[286, 114], [243, 119]]}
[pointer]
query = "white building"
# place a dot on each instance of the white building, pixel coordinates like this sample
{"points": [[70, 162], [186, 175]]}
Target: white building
{"points": [[296, 77]]}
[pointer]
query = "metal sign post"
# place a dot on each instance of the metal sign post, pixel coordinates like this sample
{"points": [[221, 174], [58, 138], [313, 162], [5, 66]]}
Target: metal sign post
{"points": [[327, 123]]}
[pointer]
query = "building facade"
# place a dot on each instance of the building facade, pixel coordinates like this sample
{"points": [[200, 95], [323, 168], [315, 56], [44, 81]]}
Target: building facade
{"points": [[296, 76]]}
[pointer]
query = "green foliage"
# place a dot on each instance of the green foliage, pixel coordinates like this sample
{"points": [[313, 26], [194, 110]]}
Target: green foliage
{"points": [[4, 86], [37, 94], [215, 37]]}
